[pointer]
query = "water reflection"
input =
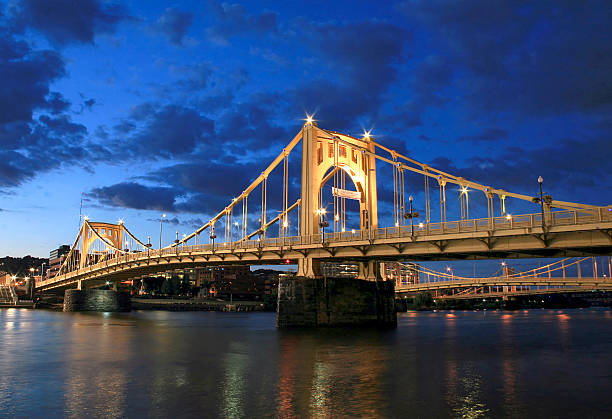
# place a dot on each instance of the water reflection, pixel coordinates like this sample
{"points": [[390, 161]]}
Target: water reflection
{"points": [[95, 381], [234, 386], [338, 372], [444, 364]]}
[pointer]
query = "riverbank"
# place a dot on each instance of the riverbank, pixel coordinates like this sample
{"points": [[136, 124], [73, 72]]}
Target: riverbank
{"points": [[194, 305]]}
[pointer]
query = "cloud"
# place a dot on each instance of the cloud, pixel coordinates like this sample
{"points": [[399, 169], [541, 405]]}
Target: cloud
{"points": [[30, 76], [174, 24], [491, 134], [67, 21], [233, 19], [137, 196], [526, 58], [364, 58], [573, 170], [193, 223], [165, 131]]}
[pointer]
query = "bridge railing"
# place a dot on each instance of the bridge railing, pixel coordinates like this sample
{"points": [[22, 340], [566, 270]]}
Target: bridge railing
{"points": [[552, 219]]}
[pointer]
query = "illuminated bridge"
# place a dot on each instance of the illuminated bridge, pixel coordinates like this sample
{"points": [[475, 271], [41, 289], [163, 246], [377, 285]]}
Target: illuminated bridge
{"points": [[338, 186], [568, 275]]}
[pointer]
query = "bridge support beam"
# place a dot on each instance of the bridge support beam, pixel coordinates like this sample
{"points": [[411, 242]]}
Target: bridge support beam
{"points": [[369, 271], [316, 302], [309, 268]]}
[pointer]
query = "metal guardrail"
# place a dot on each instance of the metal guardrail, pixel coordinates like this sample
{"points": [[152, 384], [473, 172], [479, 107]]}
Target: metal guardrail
{"points": [[502, 223]]}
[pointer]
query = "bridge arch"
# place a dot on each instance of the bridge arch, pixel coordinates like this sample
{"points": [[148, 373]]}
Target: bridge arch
{"points": [[323, 154], [111, 234]]}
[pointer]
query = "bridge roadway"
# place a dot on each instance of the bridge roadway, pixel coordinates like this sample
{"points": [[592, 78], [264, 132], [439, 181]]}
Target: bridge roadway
{"points": [[567, 233]]}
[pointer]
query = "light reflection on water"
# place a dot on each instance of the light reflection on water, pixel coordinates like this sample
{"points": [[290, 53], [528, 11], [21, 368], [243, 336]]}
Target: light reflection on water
{"points": [[236, 365]]}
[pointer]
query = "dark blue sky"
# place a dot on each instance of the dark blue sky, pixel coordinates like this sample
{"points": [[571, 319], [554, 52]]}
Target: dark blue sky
{"points": [[146, 108]]}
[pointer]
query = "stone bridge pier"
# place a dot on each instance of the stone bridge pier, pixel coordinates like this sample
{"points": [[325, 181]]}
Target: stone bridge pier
{"points": [[313, 300]]}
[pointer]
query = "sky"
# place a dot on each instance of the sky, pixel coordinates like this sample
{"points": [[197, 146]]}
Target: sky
{"points": [[138, 108]]}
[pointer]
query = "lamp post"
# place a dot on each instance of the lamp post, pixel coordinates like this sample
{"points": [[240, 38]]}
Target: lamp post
{"points": [[212, 236], [161, 224], [31, 284], [412, 215], [41, 270], [540, 181], [322, 222]]}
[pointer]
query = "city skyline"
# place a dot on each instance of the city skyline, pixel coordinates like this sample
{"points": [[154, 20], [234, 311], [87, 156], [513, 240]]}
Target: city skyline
{"points": [[142, 109]]}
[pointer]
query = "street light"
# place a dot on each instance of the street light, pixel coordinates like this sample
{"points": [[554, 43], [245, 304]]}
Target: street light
{"points": [[412, 215], [322, 222], [542, 199], [540, 181], [161, 224]]}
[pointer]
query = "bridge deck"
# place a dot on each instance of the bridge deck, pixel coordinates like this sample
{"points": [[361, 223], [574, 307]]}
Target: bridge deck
{"points": [[568, 233]]}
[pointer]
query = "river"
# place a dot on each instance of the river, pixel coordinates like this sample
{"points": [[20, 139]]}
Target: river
{"points": [[528, 363]]}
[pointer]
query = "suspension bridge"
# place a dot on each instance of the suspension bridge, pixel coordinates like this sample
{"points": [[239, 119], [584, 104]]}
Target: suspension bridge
{"points": [[568, 275], [340, 171]]}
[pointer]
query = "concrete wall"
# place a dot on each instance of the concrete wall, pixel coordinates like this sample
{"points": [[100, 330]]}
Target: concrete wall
{"points": [[96, 300], [305, 302]]}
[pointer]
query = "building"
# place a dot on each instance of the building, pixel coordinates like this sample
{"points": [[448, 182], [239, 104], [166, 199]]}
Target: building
{"points": [[231, 282], [56, 258], [5, 278], [339, 270], [403, 273]]}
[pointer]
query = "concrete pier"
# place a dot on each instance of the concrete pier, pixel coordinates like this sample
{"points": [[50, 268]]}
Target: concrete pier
{"points": [[96, 300], [308, 302]]}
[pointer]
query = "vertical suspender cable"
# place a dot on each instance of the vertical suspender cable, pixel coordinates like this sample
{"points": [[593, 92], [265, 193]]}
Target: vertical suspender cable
{"points": [[427, 203]]}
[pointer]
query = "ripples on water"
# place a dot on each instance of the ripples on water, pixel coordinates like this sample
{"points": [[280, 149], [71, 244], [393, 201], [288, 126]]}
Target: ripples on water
{"points": [[535, 363]]}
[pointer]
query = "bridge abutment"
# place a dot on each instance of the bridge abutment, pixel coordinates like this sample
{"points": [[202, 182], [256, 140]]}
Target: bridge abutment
{"points": [[313, 302], [96, 300]]}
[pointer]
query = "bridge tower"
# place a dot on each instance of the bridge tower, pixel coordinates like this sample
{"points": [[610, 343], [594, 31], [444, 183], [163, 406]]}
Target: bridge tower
{"points": [[110, 233], [324, 152]]}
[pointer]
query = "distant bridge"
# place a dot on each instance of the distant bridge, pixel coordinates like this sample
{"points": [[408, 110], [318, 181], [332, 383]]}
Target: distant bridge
{"points": [[549, 279]]}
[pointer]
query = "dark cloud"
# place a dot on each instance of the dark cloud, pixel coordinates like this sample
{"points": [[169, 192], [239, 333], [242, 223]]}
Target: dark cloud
{"points": [[521, 56], [193, 223], [573, 170], [251, 126], [196, 76], [68, 21], [174, 24], [137, 196], [166, 131], [36, 133], [233, 19], [30, 76], [363, 57], [491, 134]]}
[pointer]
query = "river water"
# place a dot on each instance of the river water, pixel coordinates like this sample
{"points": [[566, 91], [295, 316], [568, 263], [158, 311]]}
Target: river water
{"points": [[531, 363]]}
